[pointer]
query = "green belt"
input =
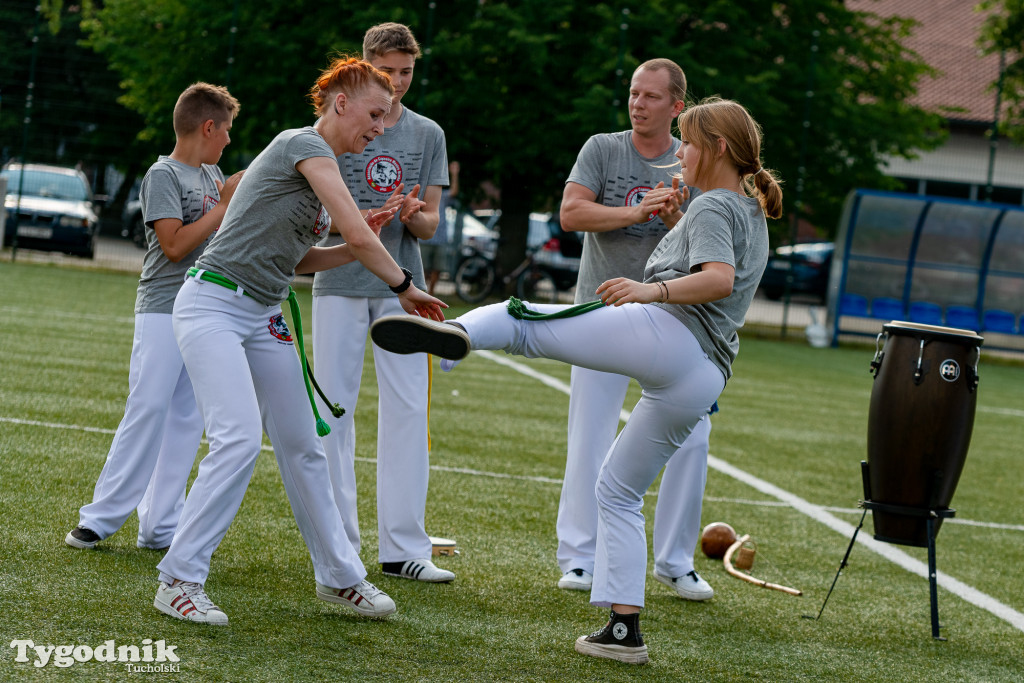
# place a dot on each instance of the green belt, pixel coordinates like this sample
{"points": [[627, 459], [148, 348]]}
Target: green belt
{"points": [[216, 279], [322, 428]]}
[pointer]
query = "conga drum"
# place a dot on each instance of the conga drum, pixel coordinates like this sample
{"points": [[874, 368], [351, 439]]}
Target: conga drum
{"points": [[919, 425]]}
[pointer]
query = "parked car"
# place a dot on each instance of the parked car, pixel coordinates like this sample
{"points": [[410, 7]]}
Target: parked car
{"points": [[558, 251], [57, 210], [808, 264], [132, 225]]}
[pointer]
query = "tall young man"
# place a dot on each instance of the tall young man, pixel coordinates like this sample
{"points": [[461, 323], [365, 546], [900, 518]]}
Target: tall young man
{"points": [[410, 155]]}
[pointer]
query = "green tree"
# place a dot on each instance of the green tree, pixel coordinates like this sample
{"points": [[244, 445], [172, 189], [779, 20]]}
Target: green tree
{"points": [[1003, 32], [75, 119], [519, 86]]}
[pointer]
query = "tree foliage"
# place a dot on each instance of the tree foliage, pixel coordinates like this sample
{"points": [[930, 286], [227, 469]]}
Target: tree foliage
{"points": [[1003, 31], [519, 86], [74, 117]]}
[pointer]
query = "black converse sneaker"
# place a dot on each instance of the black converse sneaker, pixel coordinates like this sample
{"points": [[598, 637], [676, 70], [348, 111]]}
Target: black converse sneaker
{"points": [[82, 538], [620, 639], [412, 334]]}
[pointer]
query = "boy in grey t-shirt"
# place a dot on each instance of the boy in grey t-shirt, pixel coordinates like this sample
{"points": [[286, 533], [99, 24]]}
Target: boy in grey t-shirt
{"points": [[184, 197], [410, 155]]}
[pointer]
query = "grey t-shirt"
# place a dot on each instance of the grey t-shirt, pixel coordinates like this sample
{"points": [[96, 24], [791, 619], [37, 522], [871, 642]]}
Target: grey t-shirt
{"points": [[719, 226], [610, 166], [171, 189], [411, 151], [273, 219]]}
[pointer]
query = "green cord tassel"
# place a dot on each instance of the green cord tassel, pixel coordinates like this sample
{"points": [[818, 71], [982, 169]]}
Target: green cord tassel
{"points": [[518, 310], [322, 428]]}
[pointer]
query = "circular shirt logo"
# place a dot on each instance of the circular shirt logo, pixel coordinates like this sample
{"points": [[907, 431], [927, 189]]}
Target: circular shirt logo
{"points": [[636, 195], [383, 173], [620, 631], [949, 370], [279, 328]]}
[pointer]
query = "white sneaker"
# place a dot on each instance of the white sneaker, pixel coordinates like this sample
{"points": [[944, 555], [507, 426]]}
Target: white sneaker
{"points": [[187, 600], [364, 598], [689, 586], [576, 580], [418, 570]]}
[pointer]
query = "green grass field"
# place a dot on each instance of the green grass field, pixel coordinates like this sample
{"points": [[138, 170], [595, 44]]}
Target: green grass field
{"points": [[793, 417]]}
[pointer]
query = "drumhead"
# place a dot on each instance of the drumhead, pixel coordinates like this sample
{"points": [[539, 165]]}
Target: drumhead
{"points": [[922, 331]]}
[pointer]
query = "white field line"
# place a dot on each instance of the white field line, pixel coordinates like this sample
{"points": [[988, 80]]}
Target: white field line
{"points": [[819, 514], [535, 478]]}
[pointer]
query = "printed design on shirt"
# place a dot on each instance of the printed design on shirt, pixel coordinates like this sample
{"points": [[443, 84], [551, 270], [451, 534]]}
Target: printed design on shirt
{"points": [[208, 204], [383, 173], [193, 204], [279, 328], [323, 222], [635, 196]]}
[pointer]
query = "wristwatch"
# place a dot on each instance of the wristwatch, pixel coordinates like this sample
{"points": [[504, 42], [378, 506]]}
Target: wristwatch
{"points": [[398, 289]]}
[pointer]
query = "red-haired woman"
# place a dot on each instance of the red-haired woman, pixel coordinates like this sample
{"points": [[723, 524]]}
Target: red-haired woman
{"points": [[240, 354]]}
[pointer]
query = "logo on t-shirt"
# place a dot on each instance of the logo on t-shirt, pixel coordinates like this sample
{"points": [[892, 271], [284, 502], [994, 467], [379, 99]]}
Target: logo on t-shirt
{"points": [[383, 173], [323, 222], [636, 195], [208, 204], [279, 328]]}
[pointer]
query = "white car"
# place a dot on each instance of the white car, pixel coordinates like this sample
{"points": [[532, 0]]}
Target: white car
{"points": [[55, 210]]}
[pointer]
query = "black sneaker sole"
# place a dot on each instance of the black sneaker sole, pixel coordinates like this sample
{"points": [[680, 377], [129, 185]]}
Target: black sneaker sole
{"points": [[413, 334]]}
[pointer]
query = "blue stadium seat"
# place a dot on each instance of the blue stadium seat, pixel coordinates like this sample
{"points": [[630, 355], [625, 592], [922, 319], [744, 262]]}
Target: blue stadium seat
{"points": [[998, 321], [962, 317], [925, 312], [853, 304], [886, 308]]}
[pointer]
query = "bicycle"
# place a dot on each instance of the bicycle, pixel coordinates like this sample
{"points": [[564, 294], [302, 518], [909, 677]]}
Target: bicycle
{"points": [[477, 275]]}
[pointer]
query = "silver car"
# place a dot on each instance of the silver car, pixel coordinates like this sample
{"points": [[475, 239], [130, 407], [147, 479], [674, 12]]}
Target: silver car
{"points": [[55, 211]]}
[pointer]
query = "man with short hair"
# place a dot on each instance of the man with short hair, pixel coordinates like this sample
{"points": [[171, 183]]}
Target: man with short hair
{"points": [[616, 195]]}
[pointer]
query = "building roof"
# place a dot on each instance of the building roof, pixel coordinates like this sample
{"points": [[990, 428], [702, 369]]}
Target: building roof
{"points": [[946, 38]]}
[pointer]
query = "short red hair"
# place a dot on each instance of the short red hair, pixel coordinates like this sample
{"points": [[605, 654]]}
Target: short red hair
{"points": [[346, 74]]}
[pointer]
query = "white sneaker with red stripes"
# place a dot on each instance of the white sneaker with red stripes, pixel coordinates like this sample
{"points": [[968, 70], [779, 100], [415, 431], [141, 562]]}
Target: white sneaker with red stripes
{"points": [[187, 600], [364, 598]]}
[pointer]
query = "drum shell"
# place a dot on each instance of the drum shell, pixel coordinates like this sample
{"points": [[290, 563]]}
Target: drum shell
{"points": [[919, 431]]}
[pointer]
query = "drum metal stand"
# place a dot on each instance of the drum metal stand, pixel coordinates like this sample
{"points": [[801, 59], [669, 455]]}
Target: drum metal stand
{"points": [[931, 517]]}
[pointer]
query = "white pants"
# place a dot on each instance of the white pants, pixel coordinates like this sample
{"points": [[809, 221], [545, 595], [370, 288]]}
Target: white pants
{"points": [[155, 445], [595, 401], [340, 326], [248, 378], [679, 382]]}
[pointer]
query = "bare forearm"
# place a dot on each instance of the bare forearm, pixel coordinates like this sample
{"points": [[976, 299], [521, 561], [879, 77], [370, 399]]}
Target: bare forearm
{"points": [[580, 215], [177, 243], [423, 224], [324, 258], [698, 288]]}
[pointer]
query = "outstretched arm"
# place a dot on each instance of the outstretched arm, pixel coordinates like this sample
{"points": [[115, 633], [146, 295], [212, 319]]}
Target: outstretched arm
{"points": [[361, 241]]}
